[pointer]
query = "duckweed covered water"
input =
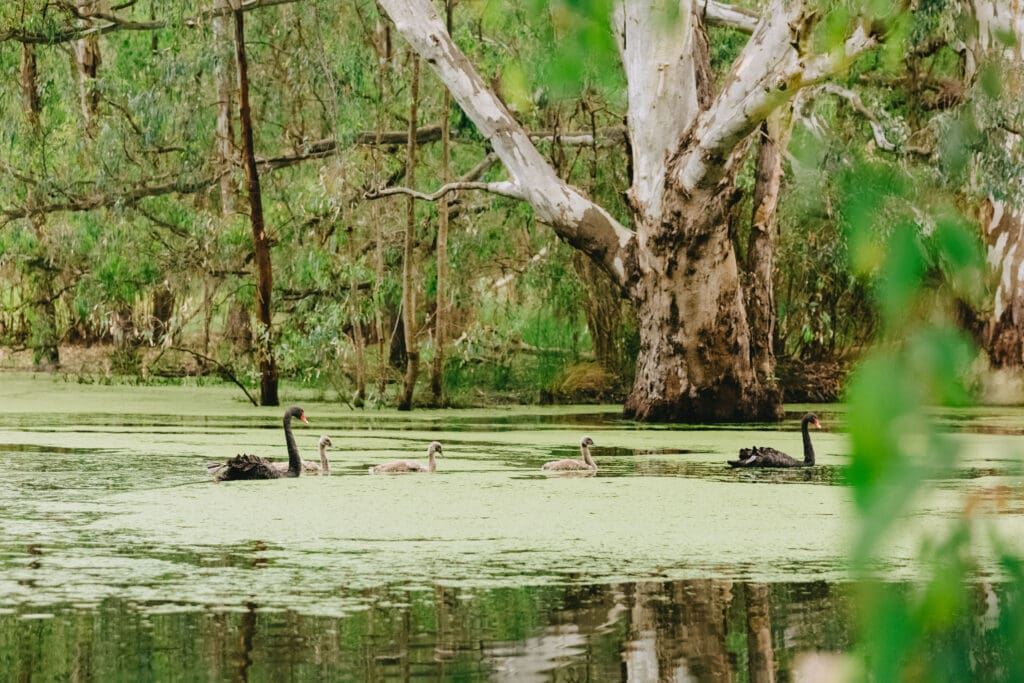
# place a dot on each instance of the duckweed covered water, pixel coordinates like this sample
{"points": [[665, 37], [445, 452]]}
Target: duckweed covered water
{"points": [[120, 559]]}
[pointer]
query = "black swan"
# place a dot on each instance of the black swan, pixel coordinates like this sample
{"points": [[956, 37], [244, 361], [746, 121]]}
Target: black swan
{"points": [[570, 465], [397, 466], [761, 456], [247, 466]]}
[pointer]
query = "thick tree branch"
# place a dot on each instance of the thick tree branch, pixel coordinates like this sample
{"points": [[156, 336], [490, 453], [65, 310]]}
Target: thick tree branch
{"points": [[113, 22], [98, 200], [579, 221], [771, 70], [727, 16]]}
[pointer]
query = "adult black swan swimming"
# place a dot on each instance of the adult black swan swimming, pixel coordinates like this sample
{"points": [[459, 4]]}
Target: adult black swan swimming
{"points": [[247, 466], [763, 456]]}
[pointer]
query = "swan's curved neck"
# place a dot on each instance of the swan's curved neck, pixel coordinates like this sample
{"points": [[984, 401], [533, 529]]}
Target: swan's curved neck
{"points": [[325, 467], [587, 458], [294, 461], [808, 448], [431, 462]]}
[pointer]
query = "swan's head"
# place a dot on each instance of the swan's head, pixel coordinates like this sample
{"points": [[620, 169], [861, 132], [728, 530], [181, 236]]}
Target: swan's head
{"points": [[586, 441], [325, 441], [298, 412], [434, 448], [811, 418]]}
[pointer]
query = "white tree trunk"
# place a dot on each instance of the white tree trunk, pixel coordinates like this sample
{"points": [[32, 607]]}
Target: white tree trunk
{"points": [[678, 265], [1003, 224]]}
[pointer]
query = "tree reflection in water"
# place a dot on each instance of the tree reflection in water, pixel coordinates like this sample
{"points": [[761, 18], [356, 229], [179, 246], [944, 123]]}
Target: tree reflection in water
{"points": [[704, 630]]}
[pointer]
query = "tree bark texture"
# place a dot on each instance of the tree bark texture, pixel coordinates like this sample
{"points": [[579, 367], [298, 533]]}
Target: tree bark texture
{"points": [[87, 64], [603, 310], [441, 305], [225, 78], [261, 245], [441, 301], [412, 356], [44, 336], [677, 264], [1003, 224], [773, 138]]}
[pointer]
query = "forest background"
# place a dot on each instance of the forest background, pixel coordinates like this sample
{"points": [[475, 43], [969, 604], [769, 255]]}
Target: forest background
{"points": [[189, 190]]}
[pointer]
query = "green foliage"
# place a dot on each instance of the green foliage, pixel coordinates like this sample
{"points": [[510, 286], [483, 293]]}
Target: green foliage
{"points": [[897, 452]]}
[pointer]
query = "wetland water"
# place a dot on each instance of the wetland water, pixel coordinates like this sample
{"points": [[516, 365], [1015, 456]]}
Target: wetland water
{"points": [[119, 559]]}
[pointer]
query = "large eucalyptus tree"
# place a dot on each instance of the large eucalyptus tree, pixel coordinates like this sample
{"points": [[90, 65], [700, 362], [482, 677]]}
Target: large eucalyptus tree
{"points": [[676, 261]]}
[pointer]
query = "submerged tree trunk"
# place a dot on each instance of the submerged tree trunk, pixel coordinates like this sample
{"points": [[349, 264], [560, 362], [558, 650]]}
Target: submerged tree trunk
{"points": [[261, 245], [412, 356], [773, 140], [678, 266]]}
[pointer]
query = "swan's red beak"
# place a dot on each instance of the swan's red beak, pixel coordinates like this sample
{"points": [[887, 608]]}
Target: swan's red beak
{"points": [[303, 418], [816, 423]]}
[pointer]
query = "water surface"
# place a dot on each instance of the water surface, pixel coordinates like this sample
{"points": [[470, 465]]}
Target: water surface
{"points": [[120, 559]]}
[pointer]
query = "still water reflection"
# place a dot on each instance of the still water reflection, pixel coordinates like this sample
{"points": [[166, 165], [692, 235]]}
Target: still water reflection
{"points": [[703, 630]]}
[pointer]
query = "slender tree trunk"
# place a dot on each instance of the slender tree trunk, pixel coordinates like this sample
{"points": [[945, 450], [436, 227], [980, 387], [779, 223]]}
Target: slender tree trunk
{"points": [[772, 143], [225, 79], [125, 360], [603, 310], [44, 337], [87, 64], [261, 245], [353, 316], [412, 363], [382, 44], [163, 310], [441, 306]]}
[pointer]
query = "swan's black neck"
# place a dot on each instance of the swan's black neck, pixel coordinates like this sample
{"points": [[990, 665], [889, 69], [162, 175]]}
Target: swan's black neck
{"points": [[808, 448], [294, 461]]}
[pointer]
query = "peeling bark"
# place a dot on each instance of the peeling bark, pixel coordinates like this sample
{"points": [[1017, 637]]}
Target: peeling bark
{"points": [[679, 266], [1003, 224]]}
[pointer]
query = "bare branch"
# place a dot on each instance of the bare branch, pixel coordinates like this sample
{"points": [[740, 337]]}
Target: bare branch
{"points": [[858, 105], [503, 188], [466, 182], [728, 16]]}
